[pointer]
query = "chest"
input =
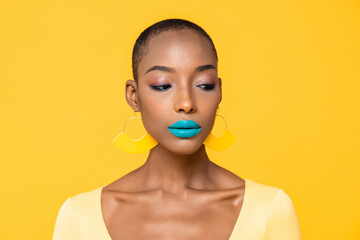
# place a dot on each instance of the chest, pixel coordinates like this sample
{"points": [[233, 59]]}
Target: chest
{"points": [[172, 220]]}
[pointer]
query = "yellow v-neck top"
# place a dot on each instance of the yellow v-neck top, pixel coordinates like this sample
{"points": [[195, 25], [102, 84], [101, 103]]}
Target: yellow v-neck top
{"points": [[267, 213]]}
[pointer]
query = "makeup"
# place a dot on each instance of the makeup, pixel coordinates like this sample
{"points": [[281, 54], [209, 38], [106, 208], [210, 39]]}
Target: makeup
{"points": [[185, 128]]}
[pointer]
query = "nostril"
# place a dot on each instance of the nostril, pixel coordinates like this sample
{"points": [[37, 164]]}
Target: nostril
{"points": [[190, 111]]}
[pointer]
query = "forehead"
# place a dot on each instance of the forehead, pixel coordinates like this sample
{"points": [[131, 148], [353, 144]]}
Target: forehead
{"points": [[178, 48]]}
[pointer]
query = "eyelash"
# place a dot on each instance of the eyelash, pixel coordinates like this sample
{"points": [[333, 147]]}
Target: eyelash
{"points": [[208, 87]]}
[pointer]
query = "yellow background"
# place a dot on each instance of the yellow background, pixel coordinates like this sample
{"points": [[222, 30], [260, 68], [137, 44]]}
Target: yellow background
{"points": [[290, 73]]}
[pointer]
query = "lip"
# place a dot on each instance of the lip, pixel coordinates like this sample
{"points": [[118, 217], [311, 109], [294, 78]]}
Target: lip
{"points": [[185, 124], [185, 128]]}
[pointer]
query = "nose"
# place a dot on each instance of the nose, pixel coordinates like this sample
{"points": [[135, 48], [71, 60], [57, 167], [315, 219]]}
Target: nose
{"points": [[185, 102]]}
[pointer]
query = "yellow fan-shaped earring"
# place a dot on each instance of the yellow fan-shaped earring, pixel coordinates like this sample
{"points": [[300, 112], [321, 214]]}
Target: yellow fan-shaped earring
{"points": [[220, 143], [127, 144]]}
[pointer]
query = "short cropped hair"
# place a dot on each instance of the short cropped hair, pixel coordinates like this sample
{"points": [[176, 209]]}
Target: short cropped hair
{"points": [[140, 47]]}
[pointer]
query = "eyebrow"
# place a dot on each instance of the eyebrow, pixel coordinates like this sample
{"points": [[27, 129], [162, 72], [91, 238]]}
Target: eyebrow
{"points": [[205, 67], [172, 70], [160, 68]]}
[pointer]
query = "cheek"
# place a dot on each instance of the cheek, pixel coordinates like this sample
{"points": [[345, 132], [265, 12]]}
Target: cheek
{"points": [[210, 120], [152, 106], [153, 113], [208, 104], [208, 113]]}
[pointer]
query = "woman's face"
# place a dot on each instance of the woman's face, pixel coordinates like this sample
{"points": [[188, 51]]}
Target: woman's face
{"points": [[177, 80]]}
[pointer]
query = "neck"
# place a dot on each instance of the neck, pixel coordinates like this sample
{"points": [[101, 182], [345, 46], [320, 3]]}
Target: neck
{"points": [[175, 173]]}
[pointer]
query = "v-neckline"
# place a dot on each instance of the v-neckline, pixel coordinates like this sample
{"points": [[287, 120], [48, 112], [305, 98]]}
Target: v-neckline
{"points": [[235, 228]]}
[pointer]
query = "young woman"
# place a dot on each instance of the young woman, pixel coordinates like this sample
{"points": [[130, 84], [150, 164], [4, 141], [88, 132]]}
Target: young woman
{"points": [[178, 193]]}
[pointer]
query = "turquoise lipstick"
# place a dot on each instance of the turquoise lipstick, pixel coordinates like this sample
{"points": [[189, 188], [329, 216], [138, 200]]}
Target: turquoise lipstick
{"points": [[185, 128]]}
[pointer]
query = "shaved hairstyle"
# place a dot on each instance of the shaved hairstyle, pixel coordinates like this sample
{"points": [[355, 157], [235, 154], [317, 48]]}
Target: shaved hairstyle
{"points": [[140, 47]]}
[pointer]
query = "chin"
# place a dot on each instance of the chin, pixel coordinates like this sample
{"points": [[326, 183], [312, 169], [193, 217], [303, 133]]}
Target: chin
{"points": [[185, 148]]}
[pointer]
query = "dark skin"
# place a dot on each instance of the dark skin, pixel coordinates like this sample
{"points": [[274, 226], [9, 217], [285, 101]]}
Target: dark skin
{"points": [[178, 193]]}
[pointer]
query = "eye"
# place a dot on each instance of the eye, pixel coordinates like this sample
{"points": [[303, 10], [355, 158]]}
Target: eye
{"points": [[162, 87], [208, 87]]}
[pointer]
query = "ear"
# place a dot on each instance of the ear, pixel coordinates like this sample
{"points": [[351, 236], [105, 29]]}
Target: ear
{"points": [[131, 95], [220, 84]]}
